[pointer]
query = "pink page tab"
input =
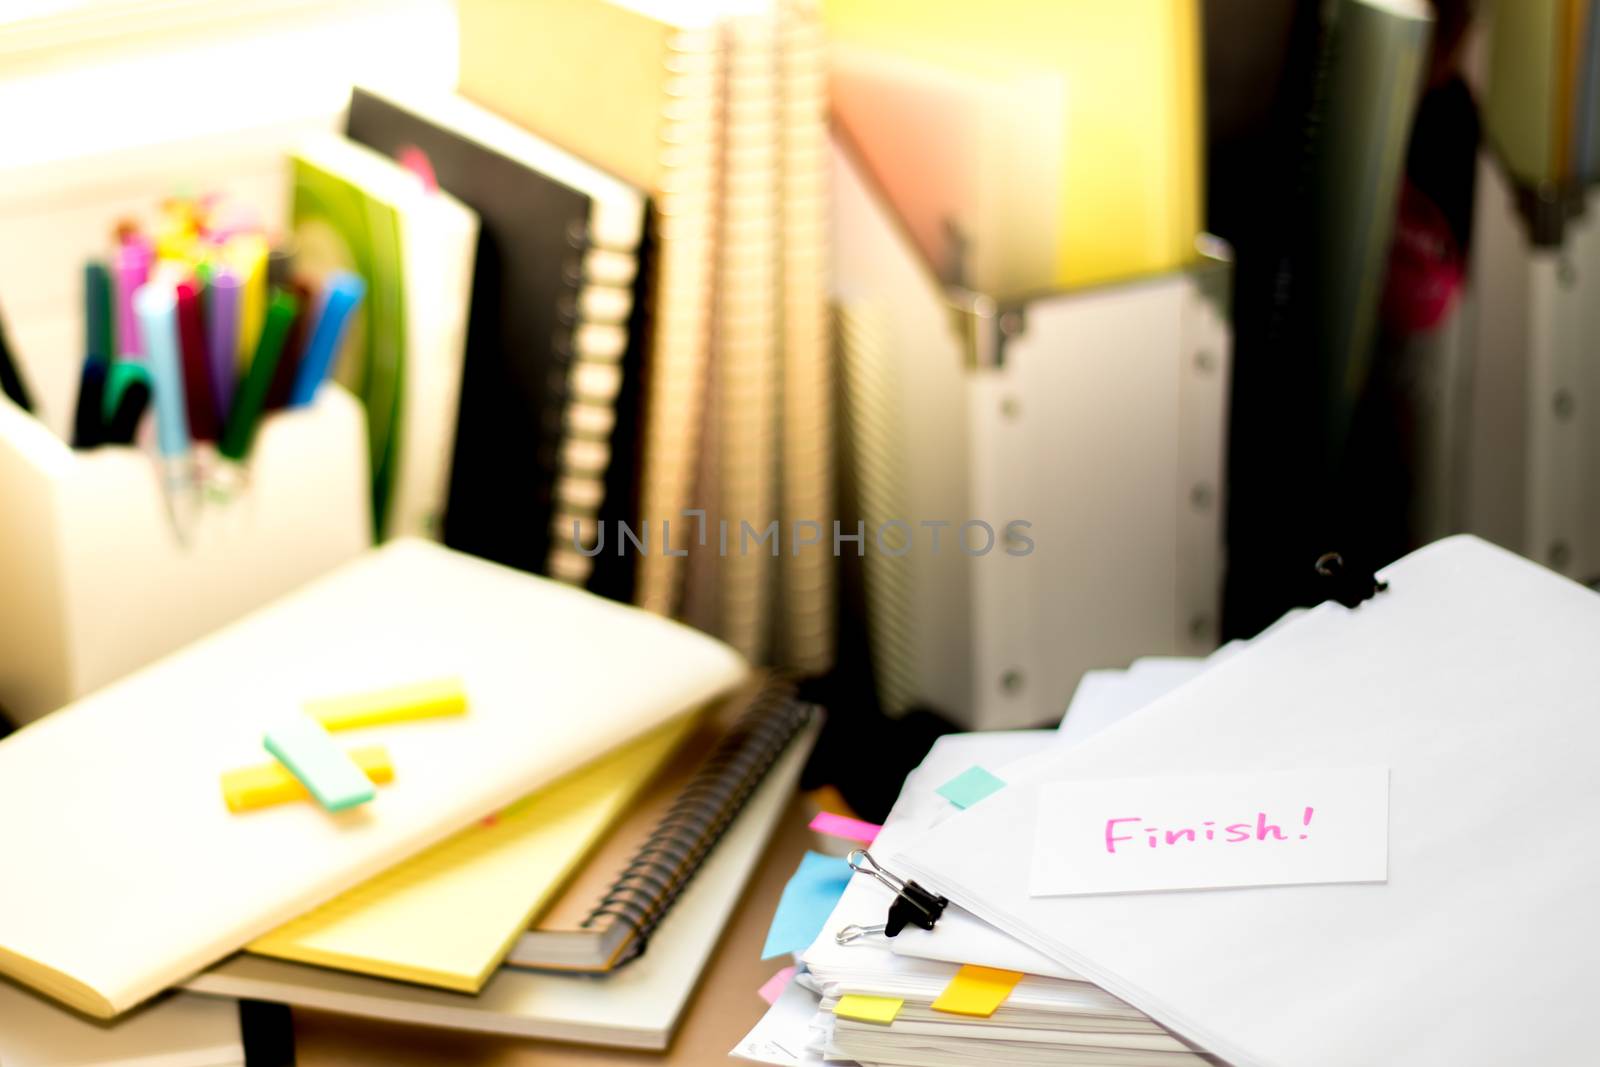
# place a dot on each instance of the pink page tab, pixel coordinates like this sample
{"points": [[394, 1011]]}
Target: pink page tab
{"points": [[774, 986], [843, 826]]}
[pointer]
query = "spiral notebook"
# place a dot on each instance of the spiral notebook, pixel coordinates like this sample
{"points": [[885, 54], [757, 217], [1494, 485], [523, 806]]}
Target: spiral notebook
{"points": [[605, 919], [635, 89], [552, 354]]}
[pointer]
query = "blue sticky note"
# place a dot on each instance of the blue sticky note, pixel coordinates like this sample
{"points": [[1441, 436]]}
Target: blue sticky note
{"points": [[970, 786], [806, 903], [306, 749]]}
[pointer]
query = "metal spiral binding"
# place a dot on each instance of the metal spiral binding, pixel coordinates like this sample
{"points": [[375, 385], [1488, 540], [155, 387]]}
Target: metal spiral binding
{"points": [[645, 891], [587, 375]]}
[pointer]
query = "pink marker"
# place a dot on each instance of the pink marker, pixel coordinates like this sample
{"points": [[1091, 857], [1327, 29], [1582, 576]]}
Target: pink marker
{"points": [[131, 270]]}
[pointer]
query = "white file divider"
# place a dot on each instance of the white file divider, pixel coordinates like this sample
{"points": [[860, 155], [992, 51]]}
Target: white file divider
{"points": [[1095, 417], [95, 579]]}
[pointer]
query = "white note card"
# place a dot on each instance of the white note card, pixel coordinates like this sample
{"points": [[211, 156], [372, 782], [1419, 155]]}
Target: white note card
{"points": [[1131, 835]]}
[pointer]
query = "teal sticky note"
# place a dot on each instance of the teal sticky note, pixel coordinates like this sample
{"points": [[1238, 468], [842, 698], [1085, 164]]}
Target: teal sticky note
{"points": [[806, 903], [302, 745], [969, 787]]}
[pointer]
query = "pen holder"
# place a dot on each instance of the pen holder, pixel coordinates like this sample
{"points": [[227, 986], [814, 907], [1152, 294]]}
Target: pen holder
{"points": [[95, 581]]}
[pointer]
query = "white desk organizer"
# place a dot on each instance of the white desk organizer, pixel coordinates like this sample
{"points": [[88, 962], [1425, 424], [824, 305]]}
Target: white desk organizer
{"points": [[94, 580], [1098, 416]]}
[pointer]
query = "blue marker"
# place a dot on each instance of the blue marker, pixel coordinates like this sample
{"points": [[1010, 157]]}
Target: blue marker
{"points": [[340, 298], [156, 309]]}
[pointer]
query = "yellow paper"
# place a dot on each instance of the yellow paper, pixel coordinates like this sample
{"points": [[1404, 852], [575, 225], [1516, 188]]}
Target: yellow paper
{"points": [[977, 991], [401, 703], [1132, 189], [868, 1009], [447, 917]]}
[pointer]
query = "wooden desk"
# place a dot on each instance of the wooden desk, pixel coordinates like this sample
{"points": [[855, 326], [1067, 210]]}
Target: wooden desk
{"points": [[719, 1013]]}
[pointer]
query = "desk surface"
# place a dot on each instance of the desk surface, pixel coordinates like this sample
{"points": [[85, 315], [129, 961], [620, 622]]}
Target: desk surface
{"points": [[721, 1011]]}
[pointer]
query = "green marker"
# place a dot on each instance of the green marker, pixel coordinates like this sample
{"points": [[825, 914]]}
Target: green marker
{"points": [[251, 398], [123, 373]]}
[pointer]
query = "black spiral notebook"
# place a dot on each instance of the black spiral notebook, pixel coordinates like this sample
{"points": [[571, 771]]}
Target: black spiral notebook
{"points": [[606, 916], [548, 429]]}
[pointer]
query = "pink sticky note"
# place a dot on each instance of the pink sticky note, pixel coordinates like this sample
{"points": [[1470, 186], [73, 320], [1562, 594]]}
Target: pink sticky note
{"points": [[843, 826], [775, 985]]}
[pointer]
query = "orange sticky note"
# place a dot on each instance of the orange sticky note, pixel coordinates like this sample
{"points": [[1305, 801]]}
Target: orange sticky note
{"points": [[977, 991], [868, 1009]]}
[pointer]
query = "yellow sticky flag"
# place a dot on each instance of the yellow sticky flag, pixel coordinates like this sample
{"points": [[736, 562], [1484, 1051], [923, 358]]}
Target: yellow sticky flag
{"points": [[417, 700], [868, 1009], [271, 783], [977, 991]]}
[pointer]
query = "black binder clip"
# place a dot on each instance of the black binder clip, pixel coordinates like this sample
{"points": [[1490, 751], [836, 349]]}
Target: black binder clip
{"points": [[912, 903], [1349, 586]]}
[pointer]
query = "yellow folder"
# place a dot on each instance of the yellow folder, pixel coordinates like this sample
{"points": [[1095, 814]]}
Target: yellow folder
{"points": [[1131, 195]]}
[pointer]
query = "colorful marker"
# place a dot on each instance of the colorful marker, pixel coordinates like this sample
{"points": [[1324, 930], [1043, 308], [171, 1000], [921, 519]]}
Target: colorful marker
{"points": [[121, 376], [97, 312], [251, 397], [199, 396], [222, 334], [156, 308], [132, 268], [341, 295]]}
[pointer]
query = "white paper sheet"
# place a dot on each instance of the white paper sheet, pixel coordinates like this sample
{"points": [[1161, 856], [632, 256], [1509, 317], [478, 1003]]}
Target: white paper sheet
{"points": [[1474, 679], [783, 1035], [1108, 696]]}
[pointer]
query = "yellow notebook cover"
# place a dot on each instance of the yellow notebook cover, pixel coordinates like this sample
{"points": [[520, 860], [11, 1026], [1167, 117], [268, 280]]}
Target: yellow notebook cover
{"points": [[447, 917]]}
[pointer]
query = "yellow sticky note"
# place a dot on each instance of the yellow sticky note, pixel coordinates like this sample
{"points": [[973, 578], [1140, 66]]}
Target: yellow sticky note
{"points": [[868, 1009], [271, 783], [419, 700], [977, 991]]}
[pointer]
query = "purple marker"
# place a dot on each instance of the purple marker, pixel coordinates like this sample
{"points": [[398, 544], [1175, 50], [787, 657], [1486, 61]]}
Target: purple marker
{"points": [[222, 335], [132, 269]]}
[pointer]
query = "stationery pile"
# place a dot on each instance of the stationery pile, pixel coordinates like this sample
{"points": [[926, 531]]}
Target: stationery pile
{"points": [[1271, 864], [965, 994], [525, 792]]}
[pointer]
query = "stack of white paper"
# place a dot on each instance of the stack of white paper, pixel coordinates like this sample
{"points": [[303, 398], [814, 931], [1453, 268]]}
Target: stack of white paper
{"points": [[1051, 1017], [1465, 697], [1054, 1015]]}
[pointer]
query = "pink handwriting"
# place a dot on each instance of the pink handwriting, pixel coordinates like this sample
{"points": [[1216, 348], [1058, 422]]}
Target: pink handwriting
{"points": [[1157, 837]]}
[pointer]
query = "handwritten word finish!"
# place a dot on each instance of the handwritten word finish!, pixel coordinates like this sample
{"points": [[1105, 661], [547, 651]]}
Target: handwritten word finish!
{"points": [[1282, 828], [1232, 834]]}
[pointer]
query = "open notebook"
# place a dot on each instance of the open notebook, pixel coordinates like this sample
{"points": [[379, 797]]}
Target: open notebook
{"points": [[1472, 679], [138, 876]]}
